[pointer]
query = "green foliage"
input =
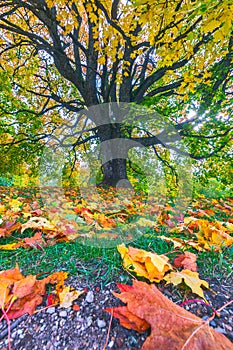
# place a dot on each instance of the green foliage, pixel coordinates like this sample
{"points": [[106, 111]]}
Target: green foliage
{"points": [[4, 181], [212, 189]]}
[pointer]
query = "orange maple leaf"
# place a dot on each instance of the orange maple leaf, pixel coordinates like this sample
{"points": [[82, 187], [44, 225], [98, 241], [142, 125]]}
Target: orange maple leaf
{"points": [[27, 292], [171, 326]]}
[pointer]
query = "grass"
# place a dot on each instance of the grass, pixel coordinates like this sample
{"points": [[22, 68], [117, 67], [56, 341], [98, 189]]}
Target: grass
{"points": [[104, 264]]}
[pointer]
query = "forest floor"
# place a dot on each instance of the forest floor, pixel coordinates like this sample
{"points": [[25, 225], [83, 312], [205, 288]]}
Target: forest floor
{"points": [[97, 270]]}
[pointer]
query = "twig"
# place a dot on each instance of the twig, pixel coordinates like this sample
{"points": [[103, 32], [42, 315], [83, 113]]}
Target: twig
{"points": [[109, 327], [8, 327], [225, 305], [44, 308]]}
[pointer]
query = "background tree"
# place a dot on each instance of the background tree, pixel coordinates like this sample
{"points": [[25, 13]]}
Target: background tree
{"points": [[62, 56]]}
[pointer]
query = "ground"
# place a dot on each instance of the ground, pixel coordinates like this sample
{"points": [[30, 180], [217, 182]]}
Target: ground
{"points": [[87, 325]]}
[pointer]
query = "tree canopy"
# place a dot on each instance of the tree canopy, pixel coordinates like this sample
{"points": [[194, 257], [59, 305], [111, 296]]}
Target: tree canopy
{"points": [[59, 57]]}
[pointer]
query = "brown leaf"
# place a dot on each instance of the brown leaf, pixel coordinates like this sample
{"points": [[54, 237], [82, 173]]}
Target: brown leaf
{"points": [[187, 261], [171, 326]]}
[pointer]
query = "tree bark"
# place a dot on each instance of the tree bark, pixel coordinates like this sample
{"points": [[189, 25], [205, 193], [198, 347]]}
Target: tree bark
{"points": [[114, 154], [115, 174]]}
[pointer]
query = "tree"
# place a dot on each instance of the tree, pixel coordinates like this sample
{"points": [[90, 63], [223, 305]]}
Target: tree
{"points": [[63, 56]]}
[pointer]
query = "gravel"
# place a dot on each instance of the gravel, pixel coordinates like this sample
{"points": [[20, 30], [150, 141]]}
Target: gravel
{"points": [[86, 329]]}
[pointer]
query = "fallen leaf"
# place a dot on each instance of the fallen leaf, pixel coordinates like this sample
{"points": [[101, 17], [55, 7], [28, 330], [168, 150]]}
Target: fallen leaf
{"points": [[9, 227], [25, 292], [209, 234], [187, 261], [190, 278], [172, 327], [35, 241], [38, 223], [128, 319], [149, 265], [67, 296], [179, 242], [76, 307], [10, 246]]}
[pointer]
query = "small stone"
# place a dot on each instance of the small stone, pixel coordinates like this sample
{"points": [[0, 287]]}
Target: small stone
{"points": [[110, 345], [88, 321], [20, 331], [229, 328], [213, 323], [101, 323], [205, 317], [63, 313], [220, 330], [90, 297], [119, 342], [51, 310]]}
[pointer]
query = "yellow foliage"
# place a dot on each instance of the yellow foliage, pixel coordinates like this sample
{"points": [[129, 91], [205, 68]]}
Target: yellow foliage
{"points": [[146, 264], [190, 278]]}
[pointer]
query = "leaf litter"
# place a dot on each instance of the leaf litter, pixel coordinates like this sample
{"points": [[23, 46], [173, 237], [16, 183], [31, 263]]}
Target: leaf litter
{"points": [[24, 294]]}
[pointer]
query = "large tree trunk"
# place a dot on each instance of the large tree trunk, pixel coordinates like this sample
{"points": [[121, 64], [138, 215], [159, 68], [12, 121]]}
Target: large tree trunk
{"points": [[115, 174], [114, 154]]}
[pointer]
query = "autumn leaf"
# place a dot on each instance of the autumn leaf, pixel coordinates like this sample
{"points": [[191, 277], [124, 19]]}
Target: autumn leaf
{"points": [[172, 327], [187, 261], [35, 241], [8, 227], [26, 292], [38, 223], [146, 264], [190, 278], [128, 319], [67, 296], [10, 246], [15, 205], [209, 234]]}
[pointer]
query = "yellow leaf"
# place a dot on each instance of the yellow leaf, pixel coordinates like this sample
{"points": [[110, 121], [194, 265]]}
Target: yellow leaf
{"points": [[50, 3], [178, 243], [15, 205], [190, 278], [211, 26], [146, 264], [229, 226], [68, 28], [145, 222], [11, 246], [101, 60], [67, 296], [38, 223], [2, 208]]}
